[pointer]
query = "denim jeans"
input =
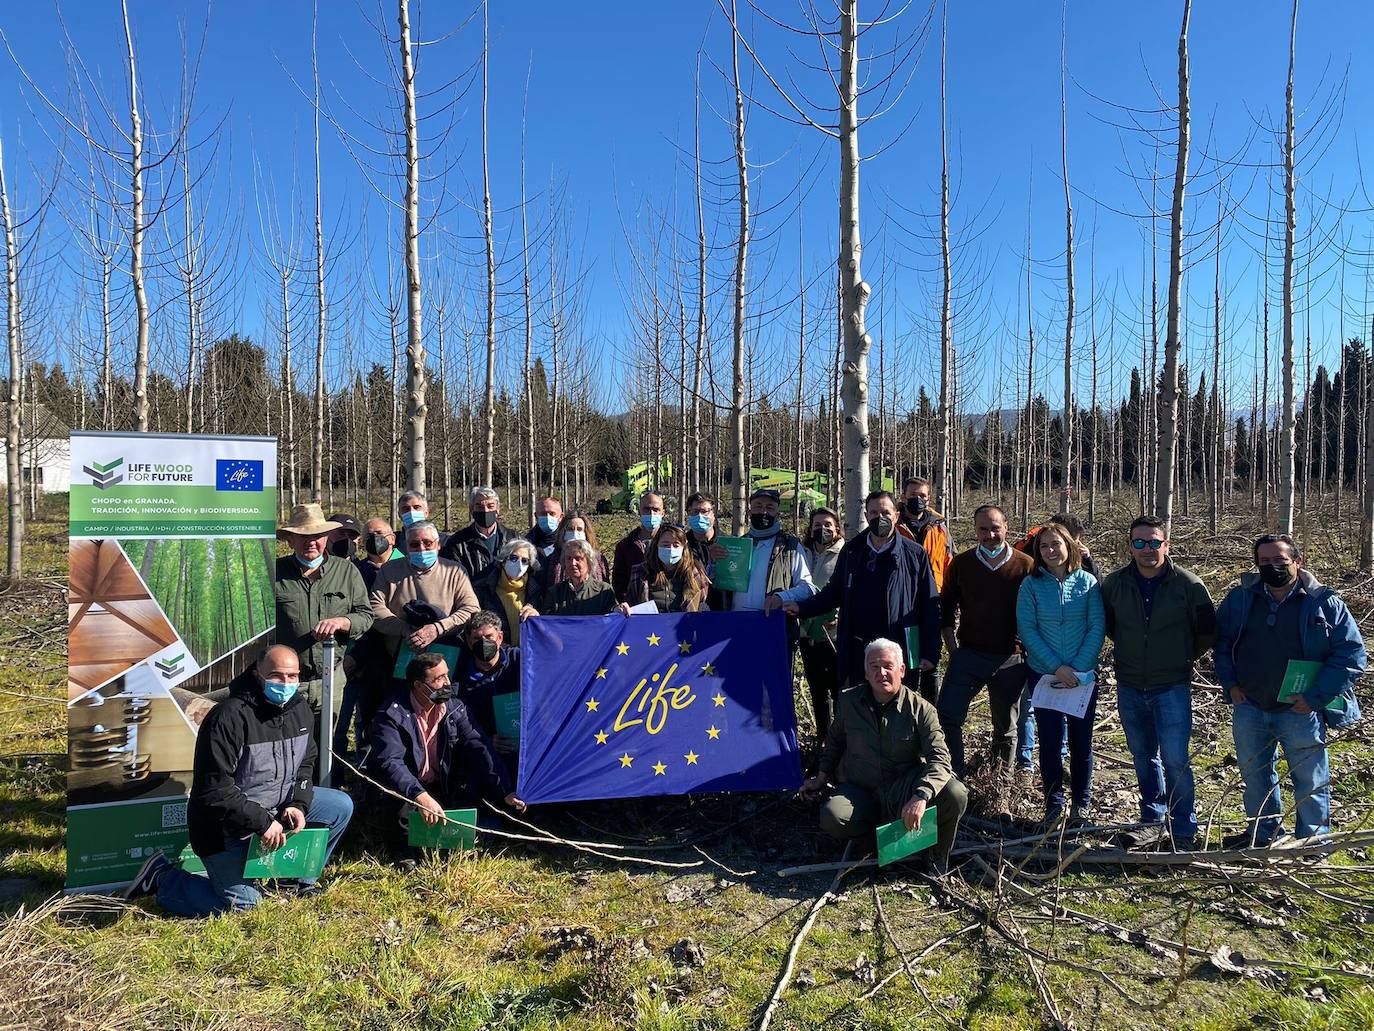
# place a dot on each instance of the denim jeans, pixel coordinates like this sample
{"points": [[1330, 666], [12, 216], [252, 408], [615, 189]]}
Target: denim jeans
{"points": [[966, 675], [223, 887], [1050, 727], [1303, 736], [1159, 727], [1025, 732]]}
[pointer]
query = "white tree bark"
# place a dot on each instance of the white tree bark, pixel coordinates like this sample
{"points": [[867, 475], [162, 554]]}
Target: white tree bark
{"points": [[942, 463], [854, 292], [489, 411], [415, 344], [13, 425], [317, 438], [136, 230], [737, 397], [1168, 418], [1066, 454], [1290, 225]]}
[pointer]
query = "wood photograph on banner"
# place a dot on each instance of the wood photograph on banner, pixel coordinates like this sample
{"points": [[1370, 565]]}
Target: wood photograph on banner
{"points": [[170, 597]]}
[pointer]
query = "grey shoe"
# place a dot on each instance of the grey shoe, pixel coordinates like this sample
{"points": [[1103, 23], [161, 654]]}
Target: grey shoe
{"points": [[1078, 816], [145, 881]]}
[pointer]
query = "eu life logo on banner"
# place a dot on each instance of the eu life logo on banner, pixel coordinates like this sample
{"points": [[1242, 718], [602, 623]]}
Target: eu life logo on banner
{"points": [[238, 474], [618, 707]]}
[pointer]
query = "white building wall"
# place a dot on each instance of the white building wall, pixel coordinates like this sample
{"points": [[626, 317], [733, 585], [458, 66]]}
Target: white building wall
{"points": [[53, 459]]}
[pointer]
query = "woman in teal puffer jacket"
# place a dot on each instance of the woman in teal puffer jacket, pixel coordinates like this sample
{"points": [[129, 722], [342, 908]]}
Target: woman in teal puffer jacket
{"points": [[1061, 623]]}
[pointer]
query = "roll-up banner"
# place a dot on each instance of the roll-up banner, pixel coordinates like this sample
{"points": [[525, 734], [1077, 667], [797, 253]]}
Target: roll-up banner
{"points": [[170, 583]]}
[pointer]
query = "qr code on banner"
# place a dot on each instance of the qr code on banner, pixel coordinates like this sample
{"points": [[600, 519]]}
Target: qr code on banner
{"points": [[174, 815]]}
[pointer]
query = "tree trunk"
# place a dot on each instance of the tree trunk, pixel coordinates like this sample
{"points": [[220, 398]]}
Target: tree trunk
{"points": [[1168, 419], [942, 463], [136, 230], [317, 438], [13, 466], [854, 292], [415, 344], [737, 398], [489, 412], [531, 476], [1066, 454], [1290, 223]]}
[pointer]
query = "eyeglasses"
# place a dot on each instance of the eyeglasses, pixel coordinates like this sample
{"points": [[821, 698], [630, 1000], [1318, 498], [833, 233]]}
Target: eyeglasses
{"points": [[1140, 544]]}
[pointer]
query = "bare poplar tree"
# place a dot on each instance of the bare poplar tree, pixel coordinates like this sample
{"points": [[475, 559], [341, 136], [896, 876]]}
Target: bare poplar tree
{"points": [[489, 412], [1066, 455], [136, 231], [1168, 419], [317, 438], [737, 387], [415, 344], [13, 469], [942, 464], [1290, 223]]}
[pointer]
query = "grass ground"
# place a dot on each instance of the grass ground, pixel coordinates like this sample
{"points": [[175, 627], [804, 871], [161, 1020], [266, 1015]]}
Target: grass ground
{"points": [[522, 936]]}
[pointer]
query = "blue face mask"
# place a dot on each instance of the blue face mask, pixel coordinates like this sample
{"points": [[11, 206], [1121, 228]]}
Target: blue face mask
{"points": [[547, 523], [412, 517], [278, 692], [310, 563], [992, 552], [651, 521], [423, 559], [670, 556], [700, 522]]}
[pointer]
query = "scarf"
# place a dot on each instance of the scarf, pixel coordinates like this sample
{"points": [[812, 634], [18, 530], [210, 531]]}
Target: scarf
{"points": [[512, 595]]}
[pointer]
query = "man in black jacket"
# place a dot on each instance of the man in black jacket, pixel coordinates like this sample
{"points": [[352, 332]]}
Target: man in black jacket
{"points": [[253, 777], [475, 546], [883, 586], [426, 747]]}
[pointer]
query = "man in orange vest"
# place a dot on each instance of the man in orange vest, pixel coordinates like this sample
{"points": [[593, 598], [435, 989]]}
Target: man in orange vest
{"points": [[927, 527]]}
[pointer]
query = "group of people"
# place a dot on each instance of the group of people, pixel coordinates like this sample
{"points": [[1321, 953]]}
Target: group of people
{"points": [[432, 628]]}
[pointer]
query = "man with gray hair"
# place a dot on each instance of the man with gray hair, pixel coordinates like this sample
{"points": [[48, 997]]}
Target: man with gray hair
{"points": [[422, 599], [896, 764], [475, 546]]}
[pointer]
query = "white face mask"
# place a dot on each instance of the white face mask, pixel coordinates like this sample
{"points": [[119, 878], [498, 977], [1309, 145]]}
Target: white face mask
{"points": [[575, 535], [515, 567]]}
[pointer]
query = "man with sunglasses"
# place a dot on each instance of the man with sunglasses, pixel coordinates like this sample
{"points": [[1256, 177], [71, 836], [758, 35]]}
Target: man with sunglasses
{"points": [[1161, 621], [1280, 615]]}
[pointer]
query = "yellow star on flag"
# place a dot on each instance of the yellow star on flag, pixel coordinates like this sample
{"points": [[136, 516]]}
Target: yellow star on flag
{"points": [[601, 737], [659, 769], [626, 759], [709, 670], [601, 673], [592, 705], [719, 699], [622, 648], [653, 640], [691, 758], [684, 647], [713, 733]]}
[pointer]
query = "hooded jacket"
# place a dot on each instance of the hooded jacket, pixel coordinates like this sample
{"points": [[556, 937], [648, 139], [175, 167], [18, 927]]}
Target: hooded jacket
{"points": [[253, 760], [1330, 636]]}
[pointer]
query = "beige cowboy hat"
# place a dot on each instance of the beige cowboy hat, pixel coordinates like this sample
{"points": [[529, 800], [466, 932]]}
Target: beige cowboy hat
{"points": [[308, 521]]}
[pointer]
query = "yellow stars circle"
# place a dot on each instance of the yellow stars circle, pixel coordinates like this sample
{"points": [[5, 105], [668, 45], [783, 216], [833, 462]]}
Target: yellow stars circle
{"points": [[713, 733], [626, 759], [709, 670], [622, 648], [601, 673], [719, 699], [684, 647], [659, 769], [653, 640], [593, 705], [691, 758], [601, 737]]}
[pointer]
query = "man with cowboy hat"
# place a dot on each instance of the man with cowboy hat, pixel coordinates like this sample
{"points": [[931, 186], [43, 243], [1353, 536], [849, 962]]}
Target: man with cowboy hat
{"points": [[319, 596]]}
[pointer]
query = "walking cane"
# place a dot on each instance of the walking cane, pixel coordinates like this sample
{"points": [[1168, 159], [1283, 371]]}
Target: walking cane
{"points": [[327, 713]]}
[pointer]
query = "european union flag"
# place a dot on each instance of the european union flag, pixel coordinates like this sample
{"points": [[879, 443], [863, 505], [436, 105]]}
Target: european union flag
{"points": [[618, 707], [238, 474]]}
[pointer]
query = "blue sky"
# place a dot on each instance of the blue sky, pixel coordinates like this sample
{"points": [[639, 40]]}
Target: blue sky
{"points": [[611, 98]]}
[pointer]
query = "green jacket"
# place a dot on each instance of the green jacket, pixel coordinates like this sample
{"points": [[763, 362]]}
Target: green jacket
{"points": [[337, 591], [897, 751], [594, 598], [1182, 627]]}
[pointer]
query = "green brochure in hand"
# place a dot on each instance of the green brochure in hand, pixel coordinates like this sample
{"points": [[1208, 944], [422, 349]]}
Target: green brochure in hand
{"points": [[507, 709], [1300, 677], [460, 831], [405, 653], [190, 862], [302, 856], [731, 573], [896, 842], [913, 647]]}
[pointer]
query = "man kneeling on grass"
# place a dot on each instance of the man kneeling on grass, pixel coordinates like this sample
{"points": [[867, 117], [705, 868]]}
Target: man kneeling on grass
{"points": [[254, 777], [896, 763]]}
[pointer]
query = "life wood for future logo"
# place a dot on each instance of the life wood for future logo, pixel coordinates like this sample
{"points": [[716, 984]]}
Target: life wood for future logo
{"points": [[104, 475]]}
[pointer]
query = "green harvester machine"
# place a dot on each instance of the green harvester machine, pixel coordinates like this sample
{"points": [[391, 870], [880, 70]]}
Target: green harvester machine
{"points": [[634, 482]]}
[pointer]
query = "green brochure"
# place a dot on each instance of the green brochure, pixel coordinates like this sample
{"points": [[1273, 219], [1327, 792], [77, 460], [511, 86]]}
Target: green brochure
{"points": [[459, 832], [507, 709], [896, 842], [731, 573], [301, 857], [913, 647], [190, 862], [1301, 675], [405, 653]]}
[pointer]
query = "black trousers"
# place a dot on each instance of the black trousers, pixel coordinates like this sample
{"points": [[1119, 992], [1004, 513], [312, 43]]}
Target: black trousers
{"points": [[819, 665]]}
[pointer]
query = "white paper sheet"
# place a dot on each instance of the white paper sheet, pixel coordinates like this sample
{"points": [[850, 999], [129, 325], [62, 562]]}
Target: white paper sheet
{"points": [[644, 608], [1072, 700]]}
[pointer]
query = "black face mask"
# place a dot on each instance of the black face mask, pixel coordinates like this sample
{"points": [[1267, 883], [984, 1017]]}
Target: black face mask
{"points": [[916, 506], [762, 520], [486, 649], [342, 549], [377, 544], [485, 518], [880, 527], [441, 694], [824, 537], [1276, 576]]}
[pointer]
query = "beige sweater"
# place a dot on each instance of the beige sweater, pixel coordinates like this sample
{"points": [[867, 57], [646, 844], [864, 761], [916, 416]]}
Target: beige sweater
{"points": [[444, 585]]}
